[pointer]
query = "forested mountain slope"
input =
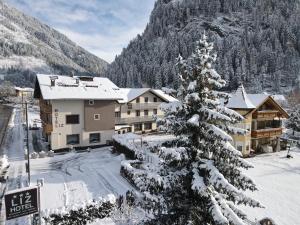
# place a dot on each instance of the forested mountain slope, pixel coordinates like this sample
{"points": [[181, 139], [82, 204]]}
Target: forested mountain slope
{"points": [[257, 41], [28, 46]]}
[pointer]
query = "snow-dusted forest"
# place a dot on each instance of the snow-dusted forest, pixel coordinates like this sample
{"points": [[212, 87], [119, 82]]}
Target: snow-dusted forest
{"points": [[258, 43], [29, 46]]}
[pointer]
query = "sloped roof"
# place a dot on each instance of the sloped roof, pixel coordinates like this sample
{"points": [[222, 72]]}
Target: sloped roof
{"points": [[130, 94], [169, 98], [258, 99], [98, 88], [280, 98], [240, 100]]}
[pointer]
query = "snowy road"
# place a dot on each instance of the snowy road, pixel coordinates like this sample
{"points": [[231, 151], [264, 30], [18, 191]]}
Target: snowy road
{"points": [[13, 148]]}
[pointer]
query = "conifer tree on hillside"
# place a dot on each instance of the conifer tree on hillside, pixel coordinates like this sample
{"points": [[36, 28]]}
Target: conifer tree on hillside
{"points": [[294, 120], [199, 179]]}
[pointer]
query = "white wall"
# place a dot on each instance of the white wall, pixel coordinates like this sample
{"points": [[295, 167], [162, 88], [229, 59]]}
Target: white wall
{"points": [[61, 108]]}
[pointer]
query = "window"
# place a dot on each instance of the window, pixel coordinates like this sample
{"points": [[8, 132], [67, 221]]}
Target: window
{"points": [[72, 119], [96, 116], [91, 102], [137, 112], [148, 126], [129, 105], [154, 111], [240, 148], [128, 112], [95, 138], [73, 139], [138, 100], [146, 112], [118, 114], [247, 148], [146, 99], [138, 127], [248, 126], [154, 99]]}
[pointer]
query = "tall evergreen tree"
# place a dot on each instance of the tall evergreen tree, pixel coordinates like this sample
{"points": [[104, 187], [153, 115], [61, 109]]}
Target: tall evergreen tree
{"points": [[294, 120], [199, 179]]}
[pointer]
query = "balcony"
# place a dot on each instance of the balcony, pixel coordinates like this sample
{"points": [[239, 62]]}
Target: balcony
{"points": [[265, 114], [266, 133], [137, 119], [47, 128], [141, 106]]}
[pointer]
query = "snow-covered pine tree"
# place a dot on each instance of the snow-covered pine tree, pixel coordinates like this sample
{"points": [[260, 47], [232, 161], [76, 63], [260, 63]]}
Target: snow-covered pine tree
{"points": [[294, 120], [199, 179]]}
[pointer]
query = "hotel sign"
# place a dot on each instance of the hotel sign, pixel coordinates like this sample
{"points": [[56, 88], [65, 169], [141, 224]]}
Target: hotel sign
{"points": [[21, 203]]}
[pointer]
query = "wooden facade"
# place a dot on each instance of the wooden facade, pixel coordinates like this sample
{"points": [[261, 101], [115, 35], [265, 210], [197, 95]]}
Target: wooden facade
{"points": [[263, 117], [46, 116], [267, 133]]}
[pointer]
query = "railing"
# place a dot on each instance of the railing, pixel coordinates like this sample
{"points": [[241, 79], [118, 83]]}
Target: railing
{"points": [[267, 114], [141, 106], [137, 119], [265, 133]]}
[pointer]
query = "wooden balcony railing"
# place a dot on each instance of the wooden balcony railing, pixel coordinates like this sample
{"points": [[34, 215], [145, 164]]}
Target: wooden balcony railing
{"points": [[265, 133], [267, 114]]}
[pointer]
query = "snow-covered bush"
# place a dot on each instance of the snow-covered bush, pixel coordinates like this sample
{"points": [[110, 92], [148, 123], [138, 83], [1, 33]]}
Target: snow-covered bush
{"points": [[42, 154], [4, 162], [266, 221], [51, 153], [34, 155], [90, 212]]}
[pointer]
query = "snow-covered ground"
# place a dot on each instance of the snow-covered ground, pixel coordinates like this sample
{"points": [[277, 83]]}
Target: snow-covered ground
{"points": [[278, 181], [72, 178], [277, 178], [76, 178]]}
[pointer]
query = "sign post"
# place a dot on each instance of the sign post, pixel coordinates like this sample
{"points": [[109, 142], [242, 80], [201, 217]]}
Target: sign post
{"points": [[21, 203]]}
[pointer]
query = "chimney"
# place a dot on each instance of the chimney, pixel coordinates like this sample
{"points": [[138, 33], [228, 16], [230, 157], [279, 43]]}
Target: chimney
{"points": [[52, 79]]}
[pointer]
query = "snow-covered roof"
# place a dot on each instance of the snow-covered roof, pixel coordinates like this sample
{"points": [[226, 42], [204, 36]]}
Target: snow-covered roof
{"points": [[24, 89], [130, 94], [169, 98], [66, 87], [258, 99], [240, 100], [279, 98]]}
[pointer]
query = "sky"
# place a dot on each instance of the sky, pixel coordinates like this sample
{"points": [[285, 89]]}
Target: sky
{"points": [[103, 27]]}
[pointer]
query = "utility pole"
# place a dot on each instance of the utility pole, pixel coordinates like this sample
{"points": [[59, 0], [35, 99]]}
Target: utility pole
{"points": [[27, 143]]}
